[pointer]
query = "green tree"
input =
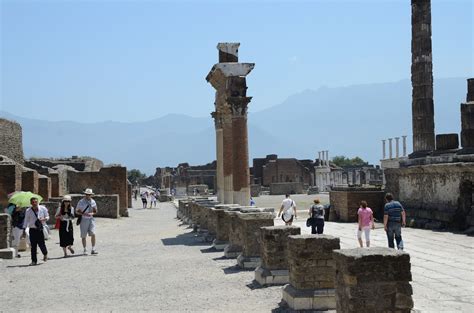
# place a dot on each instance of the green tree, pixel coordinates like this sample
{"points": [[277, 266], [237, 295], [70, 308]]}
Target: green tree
{"points": [[135, 176], [343, 161]]}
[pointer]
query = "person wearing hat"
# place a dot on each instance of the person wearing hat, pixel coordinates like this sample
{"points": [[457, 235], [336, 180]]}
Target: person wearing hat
{"points": [[65, 213], [87, 208]]}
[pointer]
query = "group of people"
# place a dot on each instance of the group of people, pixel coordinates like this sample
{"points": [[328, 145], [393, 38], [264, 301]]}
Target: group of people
{"points": [[33, 221], [145, 195], [394, 219]]}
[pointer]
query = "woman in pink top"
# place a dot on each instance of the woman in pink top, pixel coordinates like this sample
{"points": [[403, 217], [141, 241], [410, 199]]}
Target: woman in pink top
{"points": [[366, 221]]}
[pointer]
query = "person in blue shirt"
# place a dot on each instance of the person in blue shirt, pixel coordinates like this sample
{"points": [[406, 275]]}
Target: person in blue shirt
{"points": [[252, 202], [393, 219]]}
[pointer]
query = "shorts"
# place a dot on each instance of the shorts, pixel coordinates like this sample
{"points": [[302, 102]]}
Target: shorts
{"points": [[87, 227], [366, 230]]}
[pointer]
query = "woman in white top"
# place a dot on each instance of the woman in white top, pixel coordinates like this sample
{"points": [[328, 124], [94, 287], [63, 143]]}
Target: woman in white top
{"points": [[65, 213]]}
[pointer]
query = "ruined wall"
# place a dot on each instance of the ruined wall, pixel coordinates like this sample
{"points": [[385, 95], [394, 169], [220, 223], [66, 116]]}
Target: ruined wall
{"points": [[44, 187], [107, 205], [285, 188], [345, 202], [107, 181], [285, 170], [10, 178], [29, 181], [5, 229], [433, 191], [11, 144]]}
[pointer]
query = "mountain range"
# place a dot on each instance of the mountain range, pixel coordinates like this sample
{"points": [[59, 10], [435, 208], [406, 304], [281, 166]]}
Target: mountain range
{"points": [[349, 121]]}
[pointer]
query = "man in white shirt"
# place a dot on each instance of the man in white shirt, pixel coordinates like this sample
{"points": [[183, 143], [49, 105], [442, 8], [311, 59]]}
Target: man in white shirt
{"points": [[35, 218], [288, 206], [87, 208]]}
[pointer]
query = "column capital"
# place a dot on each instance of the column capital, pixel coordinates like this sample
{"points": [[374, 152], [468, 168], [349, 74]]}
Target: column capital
{"points": [[217, 116], [239, 105]]}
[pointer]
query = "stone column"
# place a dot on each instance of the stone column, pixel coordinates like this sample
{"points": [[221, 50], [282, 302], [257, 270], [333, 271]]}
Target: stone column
{"points": [[240, 160], [219, 156], [312, 272], [422, 79], [373, 280], [227, 153], [467, 120], [404, 145], [397, 147], [383, 149], [327, 158], [274, 267], [319, 158], [390, 156]]}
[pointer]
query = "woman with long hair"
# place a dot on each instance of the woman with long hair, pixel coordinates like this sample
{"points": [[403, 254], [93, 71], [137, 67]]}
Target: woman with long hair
{"points": [[65, 213]]}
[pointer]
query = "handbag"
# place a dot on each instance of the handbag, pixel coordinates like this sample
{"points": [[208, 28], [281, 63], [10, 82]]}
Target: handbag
{"points": [[79, 218], [309, 222], [38, 223]]}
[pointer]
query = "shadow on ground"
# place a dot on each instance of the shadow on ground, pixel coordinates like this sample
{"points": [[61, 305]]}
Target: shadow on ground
{"points": [[188, 239]]}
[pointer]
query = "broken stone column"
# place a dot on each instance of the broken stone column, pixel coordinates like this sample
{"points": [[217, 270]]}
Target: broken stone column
{"points": [[273, 250], [221, 226], [467, 120], [250, 225], [373, 280], [44, 187], [219, 156], [447, 141], [383, 149], [404, 145], [422, 79], [312, 272], [5, 232]]}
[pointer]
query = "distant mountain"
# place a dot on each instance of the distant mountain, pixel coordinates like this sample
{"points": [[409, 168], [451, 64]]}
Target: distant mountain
{"points": [[345, 120]]}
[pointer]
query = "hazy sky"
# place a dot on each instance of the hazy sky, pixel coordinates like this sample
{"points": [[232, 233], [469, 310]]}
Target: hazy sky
{"points": [[138, 60]]}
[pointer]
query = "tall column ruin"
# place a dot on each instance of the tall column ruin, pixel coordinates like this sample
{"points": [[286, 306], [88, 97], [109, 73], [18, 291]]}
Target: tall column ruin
{"points": [[422, 79], [219, 156], [228, 78], [467, 120]]}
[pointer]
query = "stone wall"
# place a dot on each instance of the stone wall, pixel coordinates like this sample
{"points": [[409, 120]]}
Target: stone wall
{"points": [[55, 189], [434, 192], [5, 229], [10, 178], [44, 187], [11, 142], [107, 205], [285, 188], [373, 280], [108, 181], [346, 202], [29, 180], [249, 229]]}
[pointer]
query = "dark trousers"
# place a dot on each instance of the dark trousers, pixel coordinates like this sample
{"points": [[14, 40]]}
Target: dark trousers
{"points": [[394, 229], [37, 239], [318, 226]]}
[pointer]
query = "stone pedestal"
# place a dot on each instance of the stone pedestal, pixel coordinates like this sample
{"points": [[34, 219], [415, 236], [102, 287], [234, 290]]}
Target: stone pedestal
{"points": [[312, 272], [274, 266], [234, 248], [249, 227], [5, 230], [29, 181], [373, 280], [467, 120], [220, 225], [447, 142]]}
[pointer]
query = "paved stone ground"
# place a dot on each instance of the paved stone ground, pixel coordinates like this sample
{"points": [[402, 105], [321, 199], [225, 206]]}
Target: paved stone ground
{"points": [[150, 262]]}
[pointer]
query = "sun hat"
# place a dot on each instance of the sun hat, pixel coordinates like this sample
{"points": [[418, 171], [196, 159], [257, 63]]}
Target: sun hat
{"points": [[67, 198], [88, 191]]}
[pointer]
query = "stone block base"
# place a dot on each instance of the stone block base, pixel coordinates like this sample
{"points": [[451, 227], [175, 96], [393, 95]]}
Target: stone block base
{"points": [[232, 251], [267, 277], [248, 262], [313, 299], [219, 245], [7, 253]]}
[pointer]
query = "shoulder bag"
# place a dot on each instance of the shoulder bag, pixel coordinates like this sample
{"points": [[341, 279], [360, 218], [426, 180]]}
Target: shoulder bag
{"points": [[79, 218]]}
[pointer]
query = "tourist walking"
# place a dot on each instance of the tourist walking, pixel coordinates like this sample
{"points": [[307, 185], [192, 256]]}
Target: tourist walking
{"points": [[288, 206], [152, 200], [316, 213], [366, 222], [35, 218], [65, 214], [393, 220], [87, 208], [252, 202], [144, 196], [18, 229]]}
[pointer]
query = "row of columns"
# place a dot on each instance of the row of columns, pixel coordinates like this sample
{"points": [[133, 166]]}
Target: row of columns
{"points": [[230, 119], [323, 157], [397, 147]]}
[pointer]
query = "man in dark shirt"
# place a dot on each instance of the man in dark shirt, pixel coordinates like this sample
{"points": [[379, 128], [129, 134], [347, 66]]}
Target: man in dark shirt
{"points": [[393, 220]]}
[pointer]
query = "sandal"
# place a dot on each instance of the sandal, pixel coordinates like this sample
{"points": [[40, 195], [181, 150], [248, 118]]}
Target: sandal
{"points": [[71, 250]]}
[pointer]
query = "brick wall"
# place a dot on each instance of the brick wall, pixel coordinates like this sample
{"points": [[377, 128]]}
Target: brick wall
{"points": [[108, 180], [10, 179], [11, 144], [285, 188], [29, 181], [285, 170], [346, 203], [5, 229]]}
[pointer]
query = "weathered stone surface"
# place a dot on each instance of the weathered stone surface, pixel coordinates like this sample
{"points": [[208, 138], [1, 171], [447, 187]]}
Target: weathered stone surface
{"points": [[286, 188], [10, 178], [44, 187], [274, 246], [11, 140], [447, 141], [5, 231], [249, 228], [29, 180], [107, 205], [345, 202], [373, 280]]}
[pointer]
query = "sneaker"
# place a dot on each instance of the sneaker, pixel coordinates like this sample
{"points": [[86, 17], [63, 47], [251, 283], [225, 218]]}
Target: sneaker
{"points": [[18, 256], [45, 258], [94, 252], [32, 263], [84, 252]]}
